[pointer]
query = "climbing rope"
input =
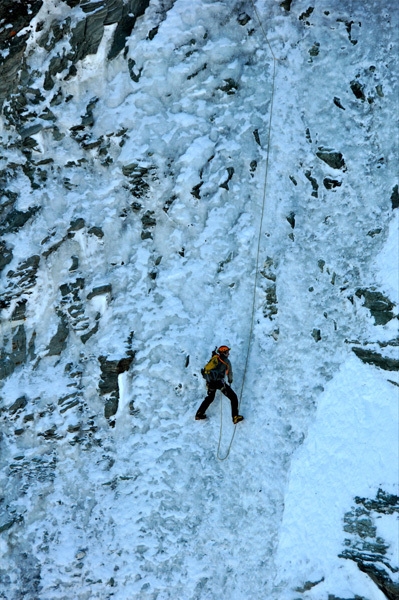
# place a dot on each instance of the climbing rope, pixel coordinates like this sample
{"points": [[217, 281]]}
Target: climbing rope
{"points": [[222, 458]]}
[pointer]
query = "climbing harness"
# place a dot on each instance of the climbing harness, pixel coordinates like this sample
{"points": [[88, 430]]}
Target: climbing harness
{"points": [[222, 458]]}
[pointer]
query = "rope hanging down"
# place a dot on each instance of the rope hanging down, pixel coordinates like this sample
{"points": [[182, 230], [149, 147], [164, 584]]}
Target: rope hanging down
{"points": [[221, 458]]}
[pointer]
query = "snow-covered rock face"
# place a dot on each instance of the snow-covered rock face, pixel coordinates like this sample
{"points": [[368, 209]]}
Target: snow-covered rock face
{"points": [[177, 175]]}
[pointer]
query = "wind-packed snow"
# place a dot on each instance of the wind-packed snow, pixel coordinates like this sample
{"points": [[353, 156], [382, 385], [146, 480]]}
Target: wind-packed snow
{"points": [[174, 172]]}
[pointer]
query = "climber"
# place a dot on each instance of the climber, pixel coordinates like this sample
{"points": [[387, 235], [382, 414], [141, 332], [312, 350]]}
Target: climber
{"points": [[215, 372]]}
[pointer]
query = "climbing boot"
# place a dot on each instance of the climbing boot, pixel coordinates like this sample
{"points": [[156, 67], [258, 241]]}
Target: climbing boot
{"points": [[200, 417], [237, 419]]}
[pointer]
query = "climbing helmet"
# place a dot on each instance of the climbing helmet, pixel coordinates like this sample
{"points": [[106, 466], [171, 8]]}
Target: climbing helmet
{"points": [[223, 350]]}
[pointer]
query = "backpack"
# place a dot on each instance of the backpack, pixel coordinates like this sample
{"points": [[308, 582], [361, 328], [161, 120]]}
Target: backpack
{"points": [[208, 372]]}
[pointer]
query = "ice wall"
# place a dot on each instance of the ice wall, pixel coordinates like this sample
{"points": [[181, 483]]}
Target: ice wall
{"points": [[135, 139]]}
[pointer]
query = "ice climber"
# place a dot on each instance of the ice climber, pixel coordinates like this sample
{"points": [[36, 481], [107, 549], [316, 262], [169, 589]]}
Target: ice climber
{"points": [[215, 373]]}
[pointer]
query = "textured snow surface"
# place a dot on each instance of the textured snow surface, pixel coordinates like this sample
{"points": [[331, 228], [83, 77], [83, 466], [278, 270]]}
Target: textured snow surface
{"points": [[143, 509]]}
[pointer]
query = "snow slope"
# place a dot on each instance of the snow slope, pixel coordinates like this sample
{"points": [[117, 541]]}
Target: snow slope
{"points": [[151, 178]]}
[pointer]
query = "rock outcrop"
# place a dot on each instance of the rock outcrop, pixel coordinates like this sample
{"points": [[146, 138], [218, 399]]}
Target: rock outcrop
{"points": [[366, 547]]}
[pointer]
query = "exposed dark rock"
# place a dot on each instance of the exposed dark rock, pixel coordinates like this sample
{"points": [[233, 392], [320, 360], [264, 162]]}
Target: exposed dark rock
{"points": [[100, 290], [75, 263], [378, 89], [138, 178], [20, 15], [5, 255], [256, 136], [83, 39], [229, 87], [224, 262], [73, 306], [110, 407], [133, 75], [72, 288], [286, 4], [18, 354], [348, 26], [230, 173], [69, 401], [54, 34], [337, 102], [16, 219], [97, 231], [268, 269], [365, 547], [48, 115], [382, 580], [10, 361], [356, 597], [379, 305], [313, 181], [19, 310], [330, 184], [110, 369], [50, 433], [198, 71], [130, 11], [86, 37], [153, 32], [196, 190], [253, 166], [31, 347], [374, 232], [88, 118], [28, 144], [9, 199], [316, 335], [76, 224], [374, 358], [7, 524], [6, 366], [291, 219], [57, 65], [19, 404], [395, 197], [243, 18], [21, 280], [148, 219], [306, 14], [334, 160], [54, 247], [308, 586], [115, 11], [357, 88], [315, 49], [270, 309], [92, 144], [86, 336], [30, 130], [383, 503], [58, 341]]}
